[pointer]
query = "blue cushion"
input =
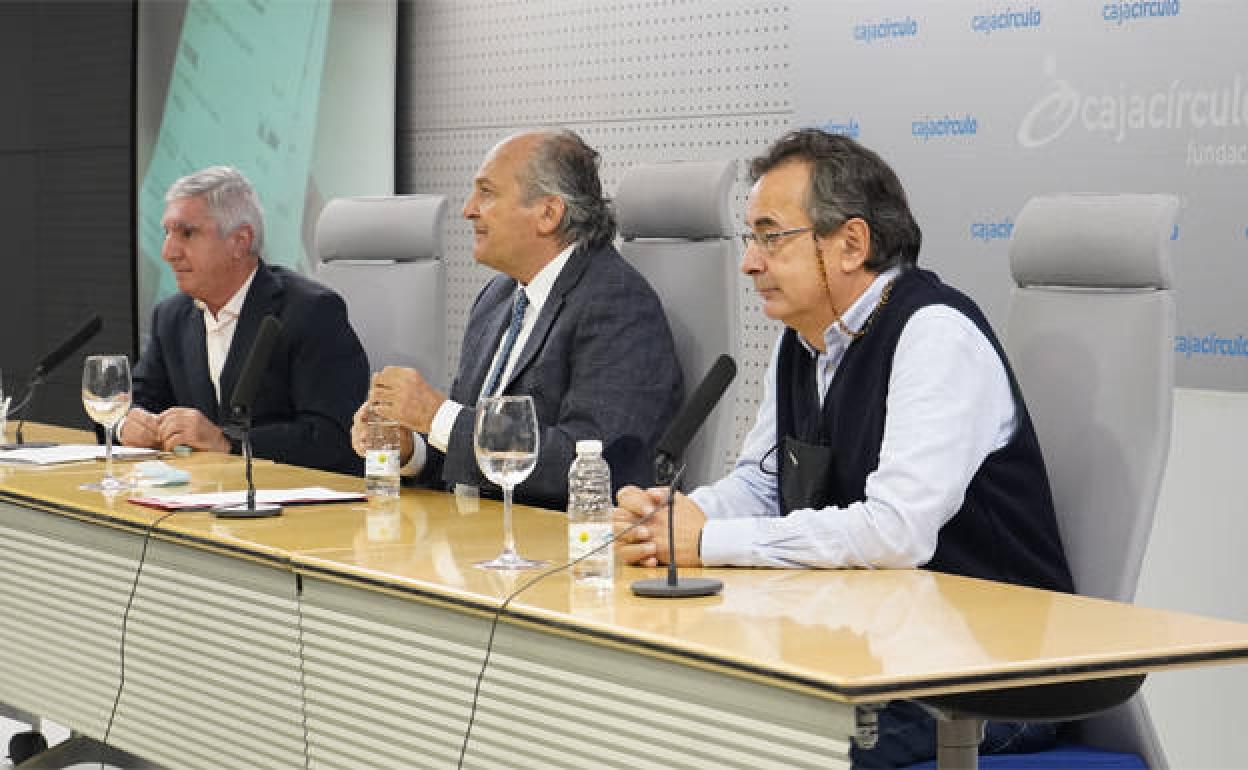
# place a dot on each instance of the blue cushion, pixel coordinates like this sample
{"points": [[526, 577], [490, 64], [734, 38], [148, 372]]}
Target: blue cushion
{"points": [[1064, 756]]}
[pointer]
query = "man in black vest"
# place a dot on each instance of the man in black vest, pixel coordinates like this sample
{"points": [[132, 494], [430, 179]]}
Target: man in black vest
{"points": [[891, 431]]}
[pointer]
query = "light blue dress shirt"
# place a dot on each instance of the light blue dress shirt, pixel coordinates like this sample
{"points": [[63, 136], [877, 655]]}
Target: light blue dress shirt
{"points": [[949, 406]]}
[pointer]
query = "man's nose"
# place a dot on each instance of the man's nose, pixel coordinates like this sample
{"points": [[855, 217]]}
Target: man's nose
{"points": [[751, 261]]}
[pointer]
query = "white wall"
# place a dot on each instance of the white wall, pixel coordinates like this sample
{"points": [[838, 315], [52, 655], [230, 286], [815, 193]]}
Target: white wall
{"points": [[1196, 563]]}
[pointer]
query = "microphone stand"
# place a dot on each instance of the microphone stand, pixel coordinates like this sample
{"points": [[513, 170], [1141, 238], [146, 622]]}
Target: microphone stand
{"points": [[673, 586], [239, 429]]}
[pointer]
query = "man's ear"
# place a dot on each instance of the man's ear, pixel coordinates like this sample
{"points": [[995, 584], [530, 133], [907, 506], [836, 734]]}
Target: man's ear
{"points": [[550, 214], [242, 238], [856, 237]]}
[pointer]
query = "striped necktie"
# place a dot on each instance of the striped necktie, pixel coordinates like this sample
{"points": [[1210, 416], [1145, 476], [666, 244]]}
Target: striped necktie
{"points": [[509, 342]]}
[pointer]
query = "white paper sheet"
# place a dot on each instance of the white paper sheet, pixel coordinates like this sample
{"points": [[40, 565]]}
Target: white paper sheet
{"points": [[70, 453], [239, 497]]}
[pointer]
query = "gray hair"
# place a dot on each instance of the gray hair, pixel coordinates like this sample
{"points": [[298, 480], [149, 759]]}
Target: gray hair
{"points": [[847, 180], [564, 166], [231, 199]]}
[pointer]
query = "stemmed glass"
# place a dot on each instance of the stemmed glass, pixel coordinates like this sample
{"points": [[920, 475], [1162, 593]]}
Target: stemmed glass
{"points": [[505, 438], [106, 397]]}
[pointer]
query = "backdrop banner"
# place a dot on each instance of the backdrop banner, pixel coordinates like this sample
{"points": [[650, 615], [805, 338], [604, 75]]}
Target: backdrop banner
{"points": [[982, 105]]}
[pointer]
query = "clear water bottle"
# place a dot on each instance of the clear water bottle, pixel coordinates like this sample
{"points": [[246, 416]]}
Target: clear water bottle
{"points": [[381, 459], [589, 515]]}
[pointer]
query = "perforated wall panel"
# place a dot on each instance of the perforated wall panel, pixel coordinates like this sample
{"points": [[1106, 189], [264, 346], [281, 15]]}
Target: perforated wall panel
{"points": [[640, 81]]}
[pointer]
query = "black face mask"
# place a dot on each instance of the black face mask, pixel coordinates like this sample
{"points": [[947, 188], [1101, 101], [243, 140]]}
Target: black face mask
{"points": [[809, 478]]}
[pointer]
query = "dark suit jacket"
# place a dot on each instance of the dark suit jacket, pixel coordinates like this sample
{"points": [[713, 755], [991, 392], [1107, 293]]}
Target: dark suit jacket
{"points": [[600, 363], [317, 376]]}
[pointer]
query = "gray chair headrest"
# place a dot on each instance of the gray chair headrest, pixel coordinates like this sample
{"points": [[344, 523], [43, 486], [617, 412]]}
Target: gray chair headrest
{"points": [[1094, 241], [686, 199], [388, 227]]}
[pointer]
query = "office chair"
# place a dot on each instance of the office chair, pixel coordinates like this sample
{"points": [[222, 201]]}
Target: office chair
{"points": [[676, 225], [27, 743], [1090, 336], [384, 256]]}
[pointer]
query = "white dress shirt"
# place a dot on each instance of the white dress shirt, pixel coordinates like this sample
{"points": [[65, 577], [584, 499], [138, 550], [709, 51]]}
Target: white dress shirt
{"points": [[538, 290], [218, 336], [949, 406], [219, 331]]}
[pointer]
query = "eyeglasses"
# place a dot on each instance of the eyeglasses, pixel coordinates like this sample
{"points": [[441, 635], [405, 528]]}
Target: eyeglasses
{"points": [[769, 241]]}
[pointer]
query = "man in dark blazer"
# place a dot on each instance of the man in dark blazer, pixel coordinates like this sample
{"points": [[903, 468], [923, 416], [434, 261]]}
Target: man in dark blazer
{"points": [[592, 345], [200, 339]]}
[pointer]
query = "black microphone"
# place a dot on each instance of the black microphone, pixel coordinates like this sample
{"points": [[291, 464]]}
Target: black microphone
{"points": [[89, 329], [255, 366], [241, 401], [676, 439], [669, 469], [68, 347]]}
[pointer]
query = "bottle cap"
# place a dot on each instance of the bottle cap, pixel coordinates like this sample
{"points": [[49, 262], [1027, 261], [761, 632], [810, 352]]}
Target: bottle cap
{"points": [[589, 446]]}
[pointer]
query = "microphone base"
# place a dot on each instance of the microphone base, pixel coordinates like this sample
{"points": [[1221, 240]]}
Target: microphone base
{"points": [[259, 511], [659, 588]]}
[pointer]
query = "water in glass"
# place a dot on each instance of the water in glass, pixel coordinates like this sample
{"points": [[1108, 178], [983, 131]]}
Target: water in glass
{"points": [[506, 439], [106, 394]]}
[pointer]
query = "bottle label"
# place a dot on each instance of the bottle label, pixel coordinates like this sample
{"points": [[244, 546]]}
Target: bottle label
{"points": [[583, 537], [381, 462]]}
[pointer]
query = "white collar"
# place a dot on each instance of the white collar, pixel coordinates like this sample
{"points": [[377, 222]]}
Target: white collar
{"points": [[232, 309], [856, 316], [538, 289]]}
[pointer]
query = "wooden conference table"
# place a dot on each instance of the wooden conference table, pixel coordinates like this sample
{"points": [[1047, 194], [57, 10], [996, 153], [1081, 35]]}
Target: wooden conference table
{"points": [[351, 636]]}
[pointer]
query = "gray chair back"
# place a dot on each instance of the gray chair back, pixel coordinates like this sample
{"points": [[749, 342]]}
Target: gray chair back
{"points": [[676, 223], [384, 254], [1090, 336]]}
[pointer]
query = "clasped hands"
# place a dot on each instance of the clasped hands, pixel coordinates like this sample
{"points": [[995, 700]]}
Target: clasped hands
{"points": [[403, 395], [176, 426], [646, 545], [400, 394]]}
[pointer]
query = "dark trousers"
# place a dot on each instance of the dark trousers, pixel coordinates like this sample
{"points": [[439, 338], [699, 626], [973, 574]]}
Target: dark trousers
{"points": [[908, 735]]}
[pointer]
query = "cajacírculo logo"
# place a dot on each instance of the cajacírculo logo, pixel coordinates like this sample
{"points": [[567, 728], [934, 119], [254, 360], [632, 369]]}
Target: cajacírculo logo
{"points": [[1121, 13], [848, 127], [871, 31], [1005, 20], [1212, 344], [990, 230], [938, 128], [1174, 106]]}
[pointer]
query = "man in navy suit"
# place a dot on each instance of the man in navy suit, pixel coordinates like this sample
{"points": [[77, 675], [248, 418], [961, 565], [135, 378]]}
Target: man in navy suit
{"points": [[592, 345], [200, 338]]}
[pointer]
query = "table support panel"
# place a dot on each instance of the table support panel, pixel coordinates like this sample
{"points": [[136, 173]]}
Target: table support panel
{"points": [[389, 684]]}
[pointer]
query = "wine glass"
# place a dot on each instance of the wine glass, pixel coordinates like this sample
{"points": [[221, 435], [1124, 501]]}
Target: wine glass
{"points": [[106, 397], [505, 438]]}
